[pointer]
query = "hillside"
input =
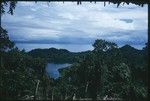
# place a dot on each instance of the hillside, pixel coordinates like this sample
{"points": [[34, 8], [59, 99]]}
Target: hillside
{"points": [[57, 55], [64, 56]]}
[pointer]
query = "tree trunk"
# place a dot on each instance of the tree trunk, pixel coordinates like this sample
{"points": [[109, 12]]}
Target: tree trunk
{"points": [[45, 91], [2, 62], [36, 90], [52, 96], [74, 96], [86, 88]]}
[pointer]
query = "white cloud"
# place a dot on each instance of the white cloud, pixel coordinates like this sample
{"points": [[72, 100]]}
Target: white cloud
{"points": [[26, 3]]}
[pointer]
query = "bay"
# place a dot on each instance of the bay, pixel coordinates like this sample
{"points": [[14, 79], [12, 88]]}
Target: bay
{"points": [[52, 69]]}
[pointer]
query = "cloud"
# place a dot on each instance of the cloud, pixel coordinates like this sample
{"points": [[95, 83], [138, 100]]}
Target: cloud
{"points": [[77, 24], [127, 20]]}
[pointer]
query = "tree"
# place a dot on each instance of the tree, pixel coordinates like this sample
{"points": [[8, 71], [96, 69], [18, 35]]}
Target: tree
{"points": [[5, 43], [102, 45], [20, 70], [4, 40], [12, 5], [100, 60], [117, 81]]}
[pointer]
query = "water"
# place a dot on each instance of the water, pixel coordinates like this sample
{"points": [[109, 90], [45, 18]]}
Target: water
{"points": [[52, 69], [70, 47]]}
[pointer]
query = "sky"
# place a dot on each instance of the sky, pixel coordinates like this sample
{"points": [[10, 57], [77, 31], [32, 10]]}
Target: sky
{"points": [[62, 25]]}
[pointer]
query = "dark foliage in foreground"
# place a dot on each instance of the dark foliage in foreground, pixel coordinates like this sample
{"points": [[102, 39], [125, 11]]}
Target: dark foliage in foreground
{"points": [[115, 72], [19, 72]]}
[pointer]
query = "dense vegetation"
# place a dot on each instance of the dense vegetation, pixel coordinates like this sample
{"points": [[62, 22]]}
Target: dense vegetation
{"points": [[108, 70], [105, 71], [53, 55], [19, 73]]}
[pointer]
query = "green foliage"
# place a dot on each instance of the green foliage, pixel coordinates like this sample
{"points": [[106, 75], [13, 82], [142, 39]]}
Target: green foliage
{"points": [[19, 74], [10, 4], [117, 81], [108, 70], [102, 45], [4, 40], [57, 55], [19, 71]]}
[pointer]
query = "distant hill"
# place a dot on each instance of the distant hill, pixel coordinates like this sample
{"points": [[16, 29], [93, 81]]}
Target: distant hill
{"points": [[57, 55], [132, 54], [64, 56]]}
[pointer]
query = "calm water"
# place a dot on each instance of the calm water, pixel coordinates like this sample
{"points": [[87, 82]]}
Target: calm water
{"points": [[70, 47], [52, 69]]}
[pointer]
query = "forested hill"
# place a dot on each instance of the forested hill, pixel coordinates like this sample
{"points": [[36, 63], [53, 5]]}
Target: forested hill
{"points": [[57, 55], [132, 56], [64, 56]]}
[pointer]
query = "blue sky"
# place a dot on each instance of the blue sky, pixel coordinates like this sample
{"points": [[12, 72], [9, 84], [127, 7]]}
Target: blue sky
{"points": [[69, 23]]}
